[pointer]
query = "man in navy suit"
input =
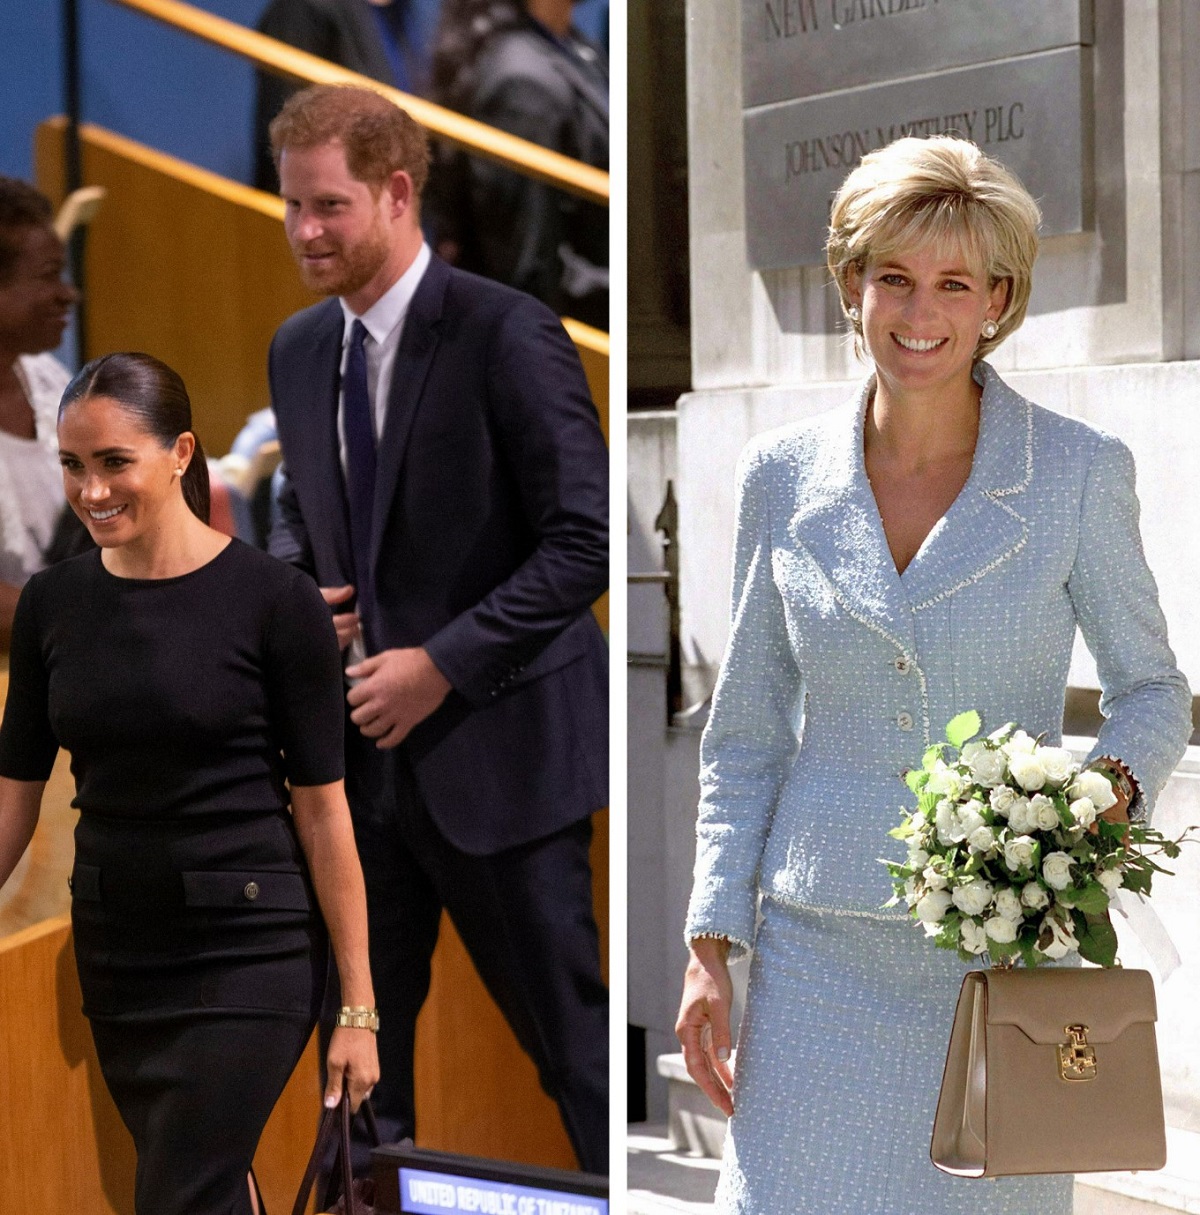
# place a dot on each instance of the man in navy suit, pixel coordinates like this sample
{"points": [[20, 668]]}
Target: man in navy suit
{"points": [[446, 484]]}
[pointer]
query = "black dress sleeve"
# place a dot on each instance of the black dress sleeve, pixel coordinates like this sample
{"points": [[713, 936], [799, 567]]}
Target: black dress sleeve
{"points": [[303, 672], [28, 745]]}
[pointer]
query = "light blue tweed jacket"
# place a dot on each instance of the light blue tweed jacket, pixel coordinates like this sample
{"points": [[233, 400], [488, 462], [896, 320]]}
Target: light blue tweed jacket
{"points": [[839, 671]]}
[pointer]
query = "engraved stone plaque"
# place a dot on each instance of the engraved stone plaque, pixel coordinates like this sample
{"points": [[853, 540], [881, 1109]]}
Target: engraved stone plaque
{"points": [[799, 48], [1028, 112]]}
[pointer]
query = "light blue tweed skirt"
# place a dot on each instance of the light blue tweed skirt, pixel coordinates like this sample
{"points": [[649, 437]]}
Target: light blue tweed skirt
{"points": [[839, 1061]]}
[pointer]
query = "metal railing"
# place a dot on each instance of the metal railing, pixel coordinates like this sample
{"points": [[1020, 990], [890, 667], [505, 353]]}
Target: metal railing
{"points": [[524, 157]]}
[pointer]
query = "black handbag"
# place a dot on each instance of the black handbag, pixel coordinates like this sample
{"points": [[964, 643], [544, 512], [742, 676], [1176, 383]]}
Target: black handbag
{"points": [[344, 1195]]}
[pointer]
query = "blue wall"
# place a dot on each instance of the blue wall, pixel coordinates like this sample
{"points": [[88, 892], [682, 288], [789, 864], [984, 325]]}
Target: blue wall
{"points": [[143, 80]]}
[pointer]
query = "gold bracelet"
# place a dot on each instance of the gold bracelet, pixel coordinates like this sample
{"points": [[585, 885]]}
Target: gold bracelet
{"points": [[358, 1017]]}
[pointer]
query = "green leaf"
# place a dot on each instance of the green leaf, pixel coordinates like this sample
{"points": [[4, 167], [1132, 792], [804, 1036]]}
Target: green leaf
{"points": [[1097, 941], [1026, 941], [1091, 899], [1006, 949], [1137, 880], [963, 728], [932, 755], [915, 779]]}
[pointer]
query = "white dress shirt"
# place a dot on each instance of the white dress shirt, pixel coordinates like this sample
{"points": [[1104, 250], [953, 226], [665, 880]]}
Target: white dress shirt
{"points": [[384, 323]]}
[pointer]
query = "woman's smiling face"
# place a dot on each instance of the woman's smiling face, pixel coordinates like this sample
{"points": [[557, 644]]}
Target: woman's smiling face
{"points": [[922, 312], [119, 479]]}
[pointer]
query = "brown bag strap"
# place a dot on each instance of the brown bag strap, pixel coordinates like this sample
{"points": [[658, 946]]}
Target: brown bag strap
{"points": [[334, 1121]]}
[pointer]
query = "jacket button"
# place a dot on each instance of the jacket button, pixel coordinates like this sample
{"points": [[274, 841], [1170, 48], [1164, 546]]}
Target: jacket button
{"points": [[903, 665], [904, 721], [251, 891]]}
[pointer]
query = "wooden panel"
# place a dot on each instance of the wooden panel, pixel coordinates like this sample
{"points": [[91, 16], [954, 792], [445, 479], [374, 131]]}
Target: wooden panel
{"points": [[62, 1144], [185, 265], [477, 1092]]}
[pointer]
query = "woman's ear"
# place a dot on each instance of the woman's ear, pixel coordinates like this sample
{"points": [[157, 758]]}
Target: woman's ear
{"points": [[854, 284], [185, 447]]}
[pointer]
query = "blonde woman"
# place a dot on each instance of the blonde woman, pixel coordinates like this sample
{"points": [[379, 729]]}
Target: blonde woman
{"points": [[930, 547]]}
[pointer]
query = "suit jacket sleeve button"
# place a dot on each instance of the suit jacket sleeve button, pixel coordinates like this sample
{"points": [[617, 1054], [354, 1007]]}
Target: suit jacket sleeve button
{"points": [[904, 721], [902, 664], [251, 891]]}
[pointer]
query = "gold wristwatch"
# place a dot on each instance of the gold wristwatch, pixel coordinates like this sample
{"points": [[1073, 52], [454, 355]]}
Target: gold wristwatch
{"points": [[358, 1017]]}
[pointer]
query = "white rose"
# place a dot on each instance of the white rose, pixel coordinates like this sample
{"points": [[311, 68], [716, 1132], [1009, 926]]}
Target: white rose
{"points": [[1021, 817], [1043, 809], [1019, 852], [935, 879], [973, 938], [1008, 905], [1001, 930], [1058, 763], [933, 906], [949, 829], [1034, 896], [1056, 869], [986, 764], [982, 839], [910, 892], [1056, 939], [1027, 771], [1083, 810], [945, 782], [1002, 799], [1020, 744], [1094, 786], [1111, 880], [972, 898], [969, 818], [918, 858]]}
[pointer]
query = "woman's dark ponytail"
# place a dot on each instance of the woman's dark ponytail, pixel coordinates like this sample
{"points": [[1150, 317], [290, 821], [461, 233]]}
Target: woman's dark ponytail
{"points": [[154, 394], [195, 486]]}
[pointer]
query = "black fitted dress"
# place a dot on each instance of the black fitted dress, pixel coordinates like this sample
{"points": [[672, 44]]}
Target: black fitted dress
{"points": [[185, 704]]}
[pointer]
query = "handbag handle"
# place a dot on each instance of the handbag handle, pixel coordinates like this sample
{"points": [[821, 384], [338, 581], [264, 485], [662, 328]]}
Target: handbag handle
{"points": [[335, 1121]]}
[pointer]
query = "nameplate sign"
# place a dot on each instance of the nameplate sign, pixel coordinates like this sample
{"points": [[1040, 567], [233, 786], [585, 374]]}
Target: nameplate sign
{"points": [[1031, 113], [801, 48]]}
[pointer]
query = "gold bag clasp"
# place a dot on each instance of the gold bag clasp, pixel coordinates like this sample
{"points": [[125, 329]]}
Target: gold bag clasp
{"points": [[1076, 1059]]}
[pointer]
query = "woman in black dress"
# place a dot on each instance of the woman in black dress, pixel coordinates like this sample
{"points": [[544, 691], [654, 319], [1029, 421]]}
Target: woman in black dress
{"points": [[197, 685]]}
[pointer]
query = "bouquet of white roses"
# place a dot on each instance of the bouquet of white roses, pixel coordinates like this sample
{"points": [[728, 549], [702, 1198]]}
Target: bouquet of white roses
{"points": [[1008, 854]]}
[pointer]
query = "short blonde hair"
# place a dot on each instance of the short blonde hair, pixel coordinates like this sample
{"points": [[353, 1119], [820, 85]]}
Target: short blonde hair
{"points": [[941, 189]]}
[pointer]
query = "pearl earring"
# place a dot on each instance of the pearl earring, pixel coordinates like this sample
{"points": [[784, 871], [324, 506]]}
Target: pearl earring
{"points": [[179, 472], [990, 329], [854, 312]]}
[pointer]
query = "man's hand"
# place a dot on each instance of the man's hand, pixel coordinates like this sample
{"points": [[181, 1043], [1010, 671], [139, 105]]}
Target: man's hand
{"points": [[345, 624], [397, 690]]}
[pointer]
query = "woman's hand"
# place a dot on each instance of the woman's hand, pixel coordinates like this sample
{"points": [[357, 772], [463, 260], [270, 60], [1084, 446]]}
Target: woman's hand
{"points": [[352, 1061], [703, 1024]]}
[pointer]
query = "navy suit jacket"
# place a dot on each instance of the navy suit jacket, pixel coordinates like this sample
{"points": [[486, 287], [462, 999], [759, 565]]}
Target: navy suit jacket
{"points": [[490, 544]]}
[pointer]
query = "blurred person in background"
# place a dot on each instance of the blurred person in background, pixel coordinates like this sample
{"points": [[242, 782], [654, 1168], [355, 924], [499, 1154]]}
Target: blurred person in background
{"points": [[35, 304], [524, 67], [389, 40]]}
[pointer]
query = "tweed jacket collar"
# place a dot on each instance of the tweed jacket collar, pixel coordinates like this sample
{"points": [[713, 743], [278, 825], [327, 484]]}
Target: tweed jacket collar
{"points": [[838, 521]]}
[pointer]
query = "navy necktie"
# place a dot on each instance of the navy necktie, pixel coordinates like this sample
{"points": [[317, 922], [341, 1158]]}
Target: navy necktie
{"points": [[359, 430]]}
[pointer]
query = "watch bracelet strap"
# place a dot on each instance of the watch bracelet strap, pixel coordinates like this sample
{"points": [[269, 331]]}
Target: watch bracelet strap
{"points": [[358, 1017]]}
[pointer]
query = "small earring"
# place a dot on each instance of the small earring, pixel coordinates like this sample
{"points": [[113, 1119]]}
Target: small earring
{"points": [[179, 472], [990, 329], [854, 312]]}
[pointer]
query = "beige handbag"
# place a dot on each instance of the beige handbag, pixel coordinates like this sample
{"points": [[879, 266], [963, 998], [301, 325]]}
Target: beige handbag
{"points": [[1051, 1071]]}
